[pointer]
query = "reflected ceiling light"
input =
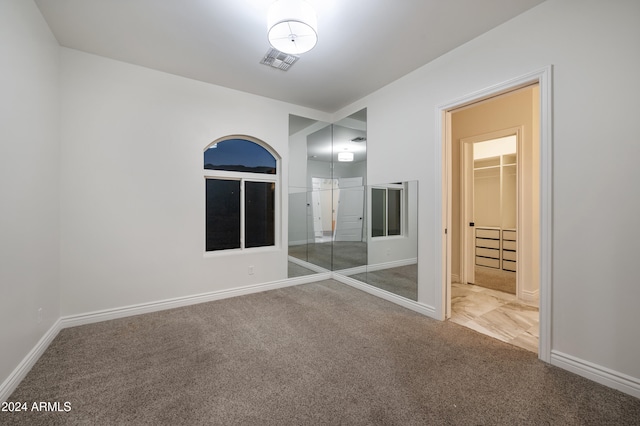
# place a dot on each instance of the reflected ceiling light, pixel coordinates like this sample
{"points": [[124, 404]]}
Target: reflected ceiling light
{"points": [[345, 156], [292, 26]]}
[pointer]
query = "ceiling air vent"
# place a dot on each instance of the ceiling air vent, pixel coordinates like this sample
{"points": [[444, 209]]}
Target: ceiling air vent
{"points": [[276, 59]]}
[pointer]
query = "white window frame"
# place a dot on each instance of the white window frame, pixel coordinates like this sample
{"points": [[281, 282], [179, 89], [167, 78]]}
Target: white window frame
{"points": [[244, 177], [403, 219]]}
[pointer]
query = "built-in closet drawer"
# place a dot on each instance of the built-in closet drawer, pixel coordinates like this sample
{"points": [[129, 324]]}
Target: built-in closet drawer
{"points": [[493, 234], [485, 261], [509, 244], [509, 255], [488, 247], [509, 235], [486, 243], [487, 252], [509, 265]]}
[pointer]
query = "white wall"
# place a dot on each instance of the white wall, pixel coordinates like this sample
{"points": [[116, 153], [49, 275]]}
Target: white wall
{"points": [[132, 188], [593, 46], [29, 174]]}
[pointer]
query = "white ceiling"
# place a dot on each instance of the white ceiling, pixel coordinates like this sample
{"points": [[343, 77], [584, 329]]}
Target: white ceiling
{"points": [[363, 44]]}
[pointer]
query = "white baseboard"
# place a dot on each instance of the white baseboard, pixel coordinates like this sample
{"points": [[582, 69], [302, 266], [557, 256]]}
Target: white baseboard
{"points": [[307, 279], [530, 295], [622, 382], [423, 309], [393, 264], [352, 271], [143, 308], [21, 371], [376, 267], [613, 379]]}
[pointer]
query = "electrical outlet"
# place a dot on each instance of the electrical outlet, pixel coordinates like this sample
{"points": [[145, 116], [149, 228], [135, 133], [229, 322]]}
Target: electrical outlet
{"points": [[39, 315], [250, 269]]}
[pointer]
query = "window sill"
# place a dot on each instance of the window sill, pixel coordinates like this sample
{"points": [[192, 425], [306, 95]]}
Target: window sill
{"points": [[238, 252], [387, 238]]}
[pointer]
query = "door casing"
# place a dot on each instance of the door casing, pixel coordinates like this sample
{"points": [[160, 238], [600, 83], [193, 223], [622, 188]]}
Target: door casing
{"points": [[442, 239]]}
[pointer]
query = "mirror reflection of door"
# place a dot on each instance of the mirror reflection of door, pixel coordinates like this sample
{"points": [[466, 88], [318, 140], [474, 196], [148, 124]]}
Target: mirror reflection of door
{"points": [[316, 206], [349, 210], [323, 198]]}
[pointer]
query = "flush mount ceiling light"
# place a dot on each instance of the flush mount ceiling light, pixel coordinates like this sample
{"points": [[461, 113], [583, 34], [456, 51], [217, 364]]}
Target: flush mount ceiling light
{"points": [[292, 26], [345, 156]]}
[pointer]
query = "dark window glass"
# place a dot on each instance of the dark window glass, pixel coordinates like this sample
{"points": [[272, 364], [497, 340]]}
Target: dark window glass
{"points": [[259, 225], [394, 227], [239, 155], [222, 214], [378, 212]]}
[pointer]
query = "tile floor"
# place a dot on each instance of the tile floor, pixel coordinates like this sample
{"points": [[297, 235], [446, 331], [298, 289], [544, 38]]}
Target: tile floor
{"points": [[496, 314]]}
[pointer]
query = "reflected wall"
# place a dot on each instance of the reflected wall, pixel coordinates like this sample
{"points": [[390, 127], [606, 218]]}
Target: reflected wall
{"points": [[392, 246], [330, 206]]}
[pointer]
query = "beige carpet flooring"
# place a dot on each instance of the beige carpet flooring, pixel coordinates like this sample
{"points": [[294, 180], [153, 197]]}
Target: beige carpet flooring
{"points": [[321, 353], [401, 280], [332, 255], [294, 270]]}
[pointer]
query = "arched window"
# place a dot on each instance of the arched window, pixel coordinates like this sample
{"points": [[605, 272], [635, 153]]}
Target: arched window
{"points": [[240, 190]]}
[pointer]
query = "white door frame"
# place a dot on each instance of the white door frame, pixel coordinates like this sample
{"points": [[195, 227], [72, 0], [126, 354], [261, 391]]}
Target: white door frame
{"points": [[467, 272], [466, 191], [544, 78]]}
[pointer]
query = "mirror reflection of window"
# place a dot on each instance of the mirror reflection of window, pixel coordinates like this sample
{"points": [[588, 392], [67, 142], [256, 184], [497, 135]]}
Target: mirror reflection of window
{"points": [[386, 212], [378, 212], [394, 209]]}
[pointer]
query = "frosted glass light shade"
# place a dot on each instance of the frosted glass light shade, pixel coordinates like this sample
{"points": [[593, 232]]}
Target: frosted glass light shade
{"points": [[345, 156], [292, 26]]}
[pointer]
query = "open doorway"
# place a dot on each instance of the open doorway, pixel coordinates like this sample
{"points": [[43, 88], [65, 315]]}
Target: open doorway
{"points": [[489, 199], [524, 249], [498, 226]]}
